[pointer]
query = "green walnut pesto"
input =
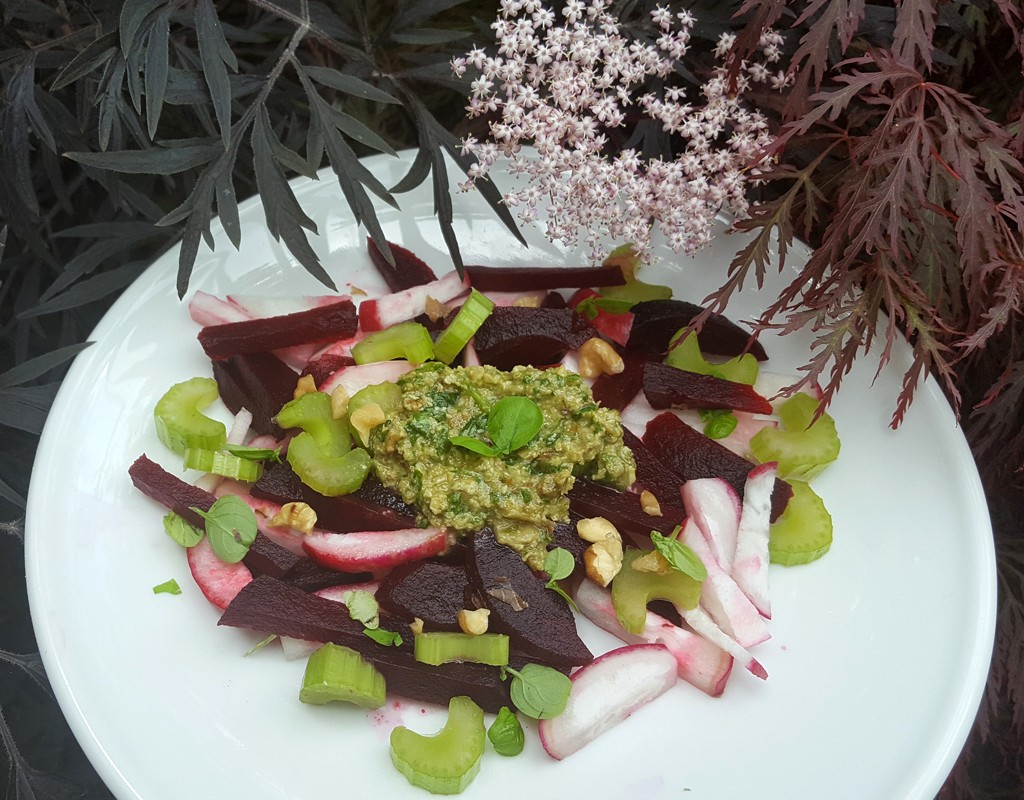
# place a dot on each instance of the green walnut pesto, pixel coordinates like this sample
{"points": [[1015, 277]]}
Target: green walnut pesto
{"points": [[521, 495]]}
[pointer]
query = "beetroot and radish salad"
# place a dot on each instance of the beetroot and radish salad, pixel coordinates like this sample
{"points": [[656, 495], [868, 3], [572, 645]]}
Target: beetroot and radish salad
{"points": [[420, 488]]}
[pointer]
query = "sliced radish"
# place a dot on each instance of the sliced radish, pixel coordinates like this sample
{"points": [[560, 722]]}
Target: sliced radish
{"points": [[374, 551], [699, 662], [342, 347], [205, 309], [722, 598], [605, 692], [382, 312], [219, 582], [265, 306], [240, 426], [714, 505], [470, 357], [750, 569], [359, 376], [699, 619]]}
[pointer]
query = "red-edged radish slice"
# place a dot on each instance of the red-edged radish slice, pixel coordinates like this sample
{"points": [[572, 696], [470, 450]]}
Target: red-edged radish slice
{"points": [[259, 306], [376, 314], [699, 662], [206, 309], [750, 569], [722, 598], [373, 551], [699, 619], [359, 376], [219, 582], [714, 505], [605, 692]]}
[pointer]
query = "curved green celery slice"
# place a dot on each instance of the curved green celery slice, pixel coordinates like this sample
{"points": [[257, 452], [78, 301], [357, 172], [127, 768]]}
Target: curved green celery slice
{"points": [[440, 647], [328, 475], [221, 463], [687, 355], [179, 422], [446, 762], [803, 533], [633, 590], [312, 413], [802, 452], [387, 395], [337, 673], [467, 322], [635, 291], [408, 340]]}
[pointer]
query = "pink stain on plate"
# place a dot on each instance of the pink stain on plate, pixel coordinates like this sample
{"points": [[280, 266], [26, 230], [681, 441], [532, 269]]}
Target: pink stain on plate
{"points": [[385, 719]]}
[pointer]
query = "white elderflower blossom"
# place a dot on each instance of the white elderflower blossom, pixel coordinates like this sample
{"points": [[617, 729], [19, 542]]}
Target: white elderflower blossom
{"points": [[565, 79]]}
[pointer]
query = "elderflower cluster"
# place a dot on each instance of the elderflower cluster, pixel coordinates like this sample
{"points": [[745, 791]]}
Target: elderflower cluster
{"points": [[565, 85]]}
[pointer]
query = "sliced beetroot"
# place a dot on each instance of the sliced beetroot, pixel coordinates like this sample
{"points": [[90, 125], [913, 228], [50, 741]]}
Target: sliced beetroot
{"points": [[372, 507], [259, 382], [553, 300], [521, 279], [666, 386], [321, 324], [170, 491], [266, 557], [539, 337], [408, 270], [623, 509], [322, 367], [433, 591], [691, 454], [537, 621], [272, 607], [656, 321], [312, 577], [616, 391], [651, 474], [565, 536]]}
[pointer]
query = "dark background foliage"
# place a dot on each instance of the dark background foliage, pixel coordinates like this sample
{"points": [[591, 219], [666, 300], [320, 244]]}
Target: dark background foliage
{"points": [[125, 126]]}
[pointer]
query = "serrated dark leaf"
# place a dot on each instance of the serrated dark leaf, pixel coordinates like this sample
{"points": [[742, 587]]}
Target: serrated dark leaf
{"points": [[95, 55], [157, 67], [133, 14], [294, 237], [213, 49], [25, 407], [227, 208], [416, 174], [89, 290], [113, 85], [437, 74], [154, 161], [349, 84], [14, 133], [85, 262], [40, 365], [31, 664], [198, 222], [414, 13], [275, 192], [427, 36], [355, 129], [11, 495]]}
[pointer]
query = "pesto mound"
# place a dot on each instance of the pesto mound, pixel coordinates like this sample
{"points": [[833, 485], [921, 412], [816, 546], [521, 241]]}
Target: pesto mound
{"points": [[520, 495]]}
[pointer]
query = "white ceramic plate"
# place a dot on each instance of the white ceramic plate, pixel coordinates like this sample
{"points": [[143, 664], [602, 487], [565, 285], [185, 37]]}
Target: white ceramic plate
{"points": [[877, 661]]}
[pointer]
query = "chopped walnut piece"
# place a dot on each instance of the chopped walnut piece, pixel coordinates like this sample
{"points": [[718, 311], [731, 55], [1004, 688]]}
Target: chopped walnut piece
{"points": [[594, 529], [473, 622], [416, 626], [652, 562], [305, 385], [435, 309], [597, 357], [298, 516], [365, 418], [339, 402], [603, 560], [529, 301], [649, 503]]}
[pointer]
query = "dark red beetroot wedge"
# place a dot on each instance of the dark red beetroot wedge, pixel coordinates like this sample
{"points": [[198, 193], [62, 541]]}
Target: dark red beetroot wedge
{"points": [[431, 590], [371, 507], [690, 454], [269, 606], [310, 576], [266, 557], [656, 321], [623, 509], [524, 279], [544, 626], [169, 490], [259, 382], [408, 270], [514, 335], [666, 387], [617, 391], [321, 324], [565, 536], [553, 300], [651, 474], [326, 365]]}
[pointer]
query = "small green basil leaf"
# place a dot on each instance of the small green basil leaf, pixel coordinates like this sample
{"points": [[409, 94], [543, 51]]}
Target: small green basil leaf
{"points": [[513, 422], [167, 587], [475, 445], [254, 453], [362, 607], [231, 526], [178, 529], [559, 563], [506, 734], [539, 692], [680, 556], [386, 638]]}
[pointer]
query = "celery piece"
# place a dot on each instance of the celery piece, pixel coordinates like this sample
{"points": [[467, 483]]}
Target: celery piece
{"points": [[632, 590], [467, 322], [312, 413], [387, 395], [803, 533], [801, 449], [408, 340], [446, 762], [179, 422], [328, 475], [334, 673], [442, 646], [636, 292], [226, 464], [687, 355]]}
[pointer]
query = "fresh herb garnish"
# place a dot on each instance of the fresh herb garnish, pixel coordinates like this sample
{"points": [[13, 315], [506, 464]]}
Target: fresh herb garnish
{"points": [[231, 526], [506, 734], [362, 607], [260, 644], [558, 564], [511, 423], [718, 422], [181, 531], [254, 453], [167, 587], [539, 692], [590, 307], [679, 556], [386, 638]]}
